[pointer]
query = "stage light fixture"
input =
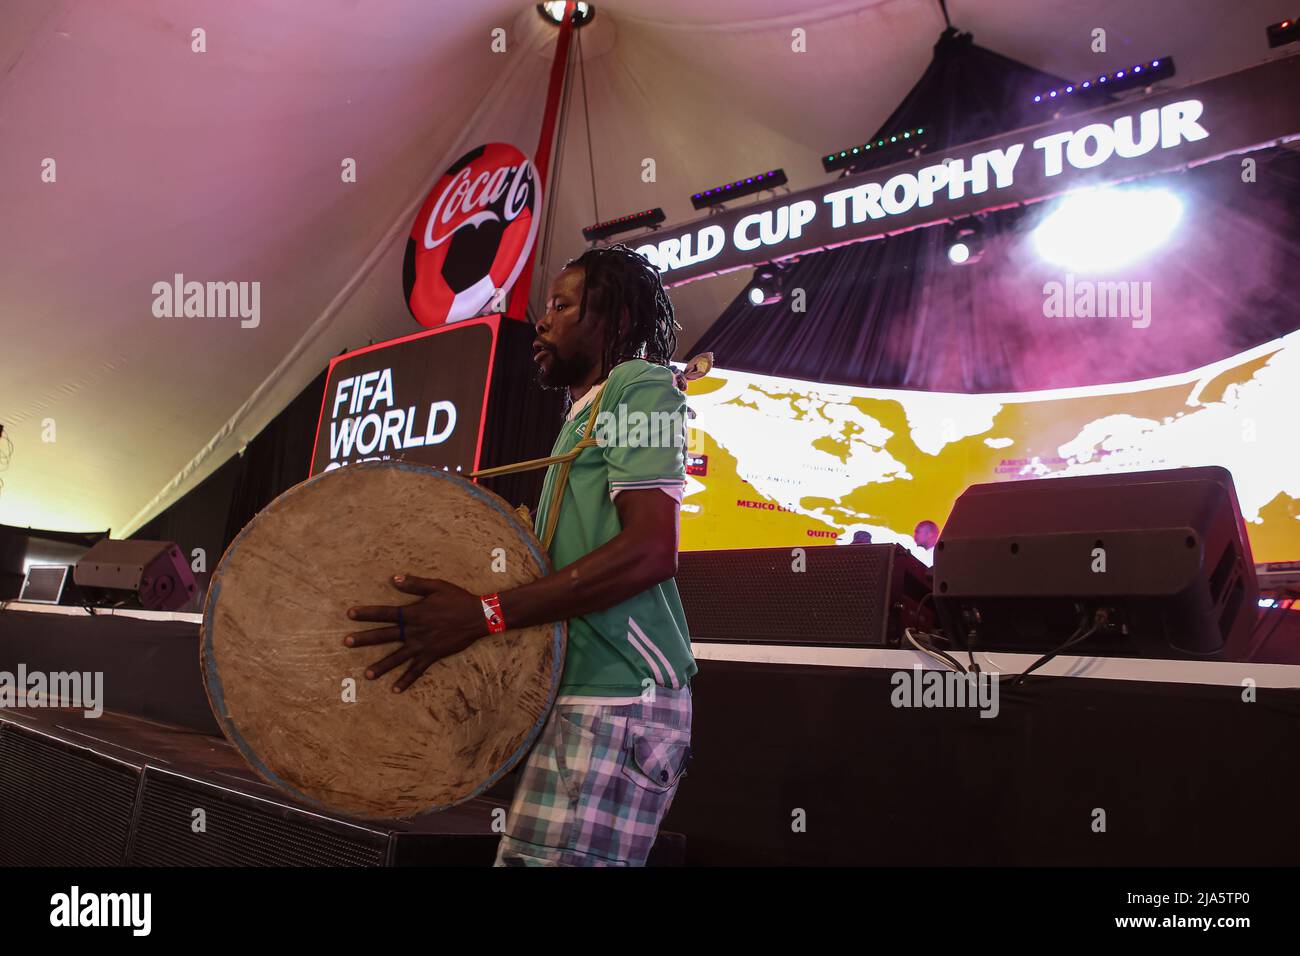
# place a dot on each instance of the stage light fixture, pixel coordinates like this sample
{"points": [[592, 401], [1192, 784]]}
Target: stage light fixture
{"points": [[1141, 74], [741, 187], [1098, 230], [966, 242], [611, 227], [767, 286], [1280, 34], [552, 12], [877, 152]]}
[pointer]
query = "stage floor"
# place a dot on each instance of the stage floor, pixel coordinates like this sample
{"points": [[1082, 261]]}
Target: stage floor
{"points": [[806, 755]]}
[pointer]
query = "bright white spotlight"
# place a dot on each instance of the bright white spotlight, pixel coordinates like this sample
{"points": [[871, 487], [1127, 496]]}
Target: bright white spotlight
{"points": [[1099, 230], [766, 288], [553, 10], [958, 253]]}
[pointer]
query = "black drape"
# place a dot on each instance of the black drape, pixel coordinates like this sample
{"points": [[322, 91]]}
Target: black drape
{"points": [[522, 420], [278, 458], [199, 520], [969, 92], [213, 512]]}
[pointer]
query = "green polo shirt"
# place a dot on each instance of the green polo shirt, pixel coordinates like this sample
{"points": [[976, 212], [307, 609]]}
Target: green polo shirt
{"points": [[641, 426]]}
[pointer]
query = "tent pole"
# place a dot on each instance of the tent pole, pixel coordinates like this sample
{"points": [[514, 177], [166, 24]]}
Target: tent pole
{"points": [[518, 308]]}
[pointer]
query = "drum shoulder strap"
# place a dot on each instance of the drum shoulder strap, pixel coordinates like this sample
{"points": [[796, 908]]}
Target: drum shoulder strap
{"points": [[697, 367], [562, 478]]}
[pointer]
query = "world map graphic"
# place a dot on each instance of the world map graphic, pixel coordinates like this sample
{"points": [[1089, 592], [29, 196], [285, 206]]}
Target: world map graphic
{"points": [[781, 462]]}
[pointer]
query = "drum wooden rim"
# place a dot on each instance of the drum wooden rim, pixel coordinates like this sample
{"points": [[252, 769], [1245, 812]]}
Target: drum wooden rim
{"points": [[216, 692]]}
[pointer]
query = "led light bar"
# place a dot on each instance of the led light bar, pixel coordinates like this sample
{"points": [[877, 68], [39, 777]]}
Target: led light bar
{"points": [[894, 143], [612, 227], [1280, 34], [1141, 74], [741, 187]]}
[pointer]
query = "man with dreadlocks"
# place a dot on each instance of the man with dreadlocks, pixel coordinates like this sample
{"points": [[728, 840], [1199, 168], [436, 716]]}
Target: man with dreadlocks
{"points": [[606, 766]]}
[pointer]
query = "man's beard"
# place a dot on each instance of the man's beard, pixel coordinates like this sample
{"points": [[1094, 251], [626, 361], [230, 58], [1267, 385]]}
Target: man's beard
{"points": [[562, 372]]}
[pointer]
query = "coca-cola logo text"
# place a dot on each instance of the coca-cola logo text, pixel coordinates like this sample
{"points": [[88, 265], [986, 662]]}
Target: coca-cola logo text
{"points": [[461, 197]]}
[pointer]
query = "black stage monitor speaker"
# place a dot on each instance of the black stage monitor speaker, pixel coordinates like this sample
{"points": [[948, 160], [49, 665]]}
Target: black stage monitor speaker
{"points": [[75, 799], [61, 803], [850, 595], [1160, 558], [156, 571]]}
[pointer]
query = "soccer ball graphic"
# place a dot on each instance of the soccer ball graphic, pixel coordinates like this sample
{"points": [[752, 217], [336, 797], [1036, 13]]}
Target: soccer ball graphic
{"points": [[473, 235]]}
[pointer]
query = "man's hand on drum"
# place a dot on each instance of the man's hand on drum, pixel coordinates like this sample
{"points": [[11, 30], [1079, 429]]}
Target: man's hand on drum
{"points": [[446, 620]]}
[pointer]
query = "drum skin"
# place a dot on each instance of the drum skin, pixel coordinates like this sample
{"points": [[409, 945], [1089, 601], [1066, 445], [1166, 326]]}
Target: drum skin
{"points": [[294, 699]]}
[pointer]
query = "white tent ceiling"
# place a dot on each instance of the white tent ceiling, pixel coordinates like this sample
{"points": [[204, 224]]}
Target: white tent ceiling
{"points": [[225, 165]]}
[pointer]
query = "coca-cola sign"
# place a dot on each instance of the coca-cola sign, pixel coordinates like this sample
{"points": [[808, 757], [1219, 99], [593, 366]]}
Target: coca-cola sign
{"points": [[473, 235]]}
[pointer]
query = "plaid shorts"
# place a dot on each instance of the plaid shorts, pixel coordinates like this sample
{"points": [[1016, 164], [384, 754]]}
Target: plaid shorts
{"points": [[598, 783]]}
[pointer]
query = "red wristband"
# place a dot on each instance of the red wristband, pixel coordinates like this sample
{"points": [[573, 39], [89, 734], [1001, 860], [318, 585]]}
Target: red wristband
{"points": [[492, 611]]}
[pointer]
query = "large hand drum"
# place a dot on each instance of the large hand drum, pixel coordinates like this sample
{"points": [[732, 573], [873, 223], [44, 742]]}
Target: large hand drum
{"points": [[294, 699]]}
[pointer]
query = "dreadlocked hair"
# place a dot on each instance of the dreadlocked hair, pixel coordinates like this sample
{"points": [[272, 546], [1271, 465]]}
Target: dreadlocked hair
{"points": [[616, 277]]}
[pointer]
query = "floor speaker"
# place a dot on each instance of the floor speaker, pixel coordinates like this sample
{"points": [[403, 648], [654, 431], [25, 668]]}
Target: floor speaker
{"points": [[188, 822], [62, 804], [154, 571], [1150, 564], [122, 791], [854, 595]]}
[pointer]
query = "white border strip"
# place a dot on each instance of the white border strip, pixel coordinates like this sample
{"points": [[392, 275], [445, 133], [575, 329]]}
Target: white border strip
{"points": [[111, 611], [1098, 668], [888, 658]]}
